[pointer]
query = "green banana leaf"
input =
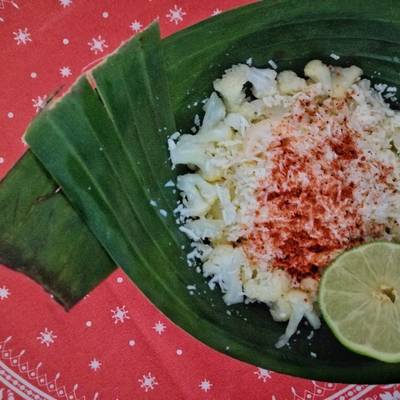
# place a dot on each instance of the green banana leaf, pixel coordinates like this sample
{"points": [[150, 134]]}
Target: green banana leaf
{"points": [[113, 194], [41, 235]]}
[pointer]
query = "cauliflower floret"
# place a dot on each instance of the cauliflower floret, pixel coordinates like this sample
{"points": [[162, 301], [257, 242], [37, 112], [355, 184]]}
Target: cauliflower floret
{"points": [[198, 195], [228, 210], [188, 150], [252, 109], [263, 81], [224, 265], [281, 310], [230, 86], [319, 72], [238, 122], [290, 83], [267, 286], [218, 133], [214, 111], [203, 228], [343, 78], [310, 285], [200, 150], [301, 306]]}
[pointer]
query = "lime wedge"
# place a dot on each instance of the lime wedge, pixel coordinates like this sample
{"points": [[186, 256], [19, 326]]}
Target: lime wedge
{"points": [[359, 297]]}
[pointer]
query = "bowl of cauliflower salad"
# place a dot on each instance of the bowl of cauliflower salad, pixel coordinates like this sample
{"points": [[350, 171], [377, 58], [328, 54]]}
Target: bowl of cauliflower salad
{"points": [[284, 174]]}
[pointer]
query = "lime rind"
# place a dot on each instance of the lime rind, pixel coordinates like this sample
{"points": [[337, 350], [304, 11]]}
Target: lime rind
{"points": [[373, 250]]}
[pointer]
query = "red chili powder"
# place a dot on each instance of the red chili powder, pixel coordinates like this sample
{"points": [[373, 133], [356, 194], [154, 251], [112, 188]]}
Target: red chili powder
{"points": [[311, 212]]}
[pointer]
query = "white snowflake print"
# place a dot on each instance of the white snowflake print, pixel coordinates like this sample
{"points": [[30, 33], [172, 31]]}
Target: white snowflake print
{"points": [[263, 374], [65, 72], [97, 44], [159, 327], [39, 103], [95, 364], [175, 14], [205, 385], [65, 3], [46, 337], [136, 26], [22, 36], [120, 315], [148, 382], [216, 12], [4, 293]]}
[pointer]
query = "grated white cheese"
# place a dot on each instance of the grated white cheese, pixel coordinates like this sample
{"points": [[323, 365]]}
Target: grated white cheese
{"points": [[272, 63], [170, 183]]}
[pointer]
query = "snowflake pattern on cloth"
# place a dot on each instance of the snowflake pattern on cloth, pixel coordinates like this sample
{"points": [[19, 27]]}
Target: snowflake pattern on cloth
{"points": [[120, 314], [263, 374], [39, 103], [148, 382], [46, 337], [136, 26], [22, 36], [159, 327], [176, 14], [4, 293], [95, 364], [65, 72], [115, 339], [205, 385], [97, 45], [65, 3]]}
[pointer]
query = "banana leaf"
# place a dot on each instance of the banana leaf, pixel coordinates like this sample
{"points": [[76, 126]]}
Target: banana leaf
{"points": [[42, 236], [109, 155]]}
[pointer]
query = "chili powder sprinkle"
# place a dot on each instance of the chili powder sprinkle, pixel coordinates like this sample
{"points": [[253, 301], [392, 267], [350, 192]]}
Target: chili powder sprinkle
{"points": [[307, 210]]}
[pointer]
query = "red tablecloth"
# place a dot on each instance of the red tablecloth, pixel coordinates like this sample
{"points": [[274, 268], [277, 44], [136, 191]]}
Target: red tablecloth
{"points": [[115, 344]]}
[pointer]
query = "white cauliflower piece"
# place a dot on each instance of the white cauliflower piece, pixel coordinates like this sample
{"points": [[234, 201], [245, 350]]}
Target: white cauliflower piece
{"points": [[319, 72], [224, 265], [267, 286], [310, 286], [198, 195], [252, 109], [263, 81], [214, 111], [238, 122], [290, 83], [228, 210], [396, 139], [188, 150], [218, 133], [343, 79], [199, 150], [281, 310], [230, 86], [203, 228], [302, 306]]}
